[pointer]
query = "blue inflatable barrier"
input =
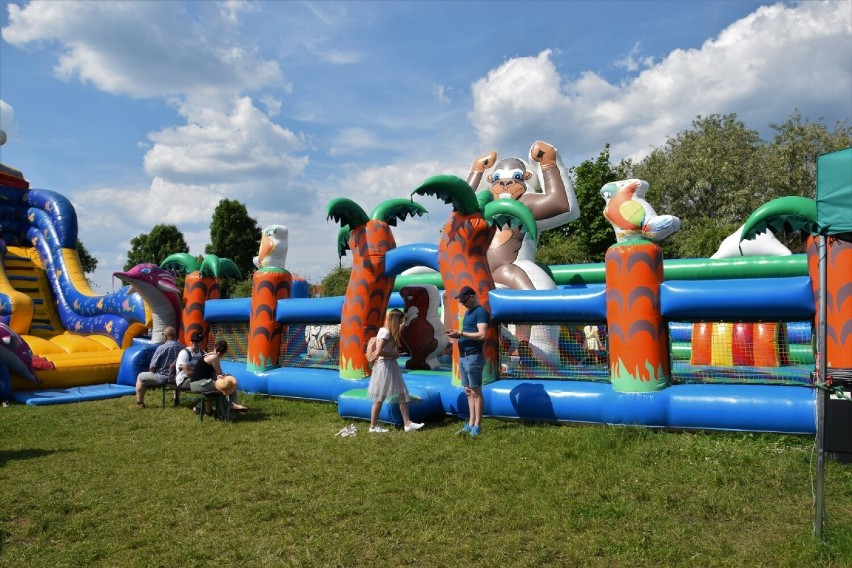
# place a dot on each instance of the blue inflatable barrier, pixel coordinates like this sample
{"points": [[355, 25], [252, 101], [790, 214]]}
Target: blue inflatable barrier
{"points": [[72, 394], [422, 406], [755, 299]]}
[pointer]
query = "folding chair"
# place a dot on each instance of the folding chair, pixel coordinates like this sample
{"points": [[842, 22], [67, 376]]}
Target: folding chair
{"points": [[221, 406], [173, 387]]}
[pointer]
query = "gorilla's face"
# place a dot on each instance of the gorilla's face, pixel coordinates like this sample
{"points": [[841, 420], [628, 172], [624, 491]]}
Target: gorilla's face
{"points": [[508, 181]]}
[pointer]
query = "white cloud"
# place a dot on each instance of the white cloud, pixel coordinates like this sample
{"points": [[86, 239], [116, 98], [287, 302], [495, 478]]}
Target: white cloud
{"points": [[140, 49], [227, 147], [633, 61], [231, 9], [762, 67], [354, 141], [238, 155], [337, 56], [272, 104], [517, 98], [442, 94], [233, 147]]}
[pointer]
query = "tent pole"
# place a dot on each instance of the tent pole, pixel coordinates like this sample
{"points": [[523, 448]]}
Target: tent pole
{"points": [[821, 393]]}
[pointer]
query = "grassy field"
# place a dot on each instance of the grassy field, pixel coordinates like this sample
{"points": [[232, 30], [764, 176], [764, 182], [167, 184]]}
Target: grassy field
{"points": [[101, 484]]}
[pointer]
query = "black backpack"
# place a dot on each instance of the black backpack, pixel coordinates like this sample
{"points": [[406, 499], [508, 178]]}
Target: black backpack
{"points": [[173, 367]]}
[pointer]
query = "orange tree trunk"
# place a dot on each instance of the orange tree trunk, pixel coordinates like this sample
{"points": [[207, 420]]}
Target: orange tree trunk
{"points": [[638, 335], [838, 288], [462, 261], [268, 285], [196, 291], [367, 296]]}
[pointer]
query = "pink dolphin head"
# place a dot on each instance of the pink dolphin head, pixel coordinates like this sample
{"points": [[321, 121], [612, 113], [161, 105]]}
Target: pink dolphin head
{"points": [[159, 291], [148, 274]]}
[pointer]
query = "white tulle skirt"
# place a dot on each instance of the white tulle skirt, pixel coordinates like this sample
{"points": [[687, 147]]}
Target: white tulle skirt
{"points": [[386, 382]]}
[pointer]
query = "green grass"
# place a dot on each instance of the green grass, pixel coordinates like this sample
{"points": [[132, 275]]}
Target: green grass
{"points": [[101, 484]]}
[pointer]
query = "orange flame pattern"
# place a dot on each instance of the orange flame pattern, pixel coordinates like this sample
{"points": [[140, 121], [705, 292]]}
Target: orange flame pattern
{"points": [[463, 262], [838, 289], [367, 295], [196, 291], [268, 286], [638, 335]]}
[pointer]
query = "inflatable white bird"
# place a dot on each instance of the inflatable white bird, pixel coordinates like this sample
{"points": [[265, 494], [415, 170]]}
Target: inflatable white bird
{"points": [[633, 217], [273, 247]]}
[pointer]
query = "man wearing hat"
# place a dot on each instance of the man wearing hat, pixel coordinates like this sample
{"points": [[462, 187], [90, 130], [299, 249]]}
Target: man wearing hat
{"points": [[186, 362], [471, 339]]}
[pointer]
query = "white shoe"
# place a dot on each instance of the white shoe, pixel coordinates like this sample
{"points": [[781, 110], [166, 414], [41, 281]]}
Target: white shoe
{"points": [[378, 430], [412, 426]]}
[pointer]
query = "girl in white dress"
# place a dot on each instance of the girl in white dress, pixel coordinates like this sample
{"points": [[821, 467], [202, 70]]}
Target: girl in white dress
{"points": [[386, 381]]}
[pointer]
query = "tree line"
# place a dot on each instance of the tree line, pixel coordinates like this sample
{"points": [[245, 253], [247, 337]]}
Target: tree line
{"points": [[712, 176], [234, 234]]}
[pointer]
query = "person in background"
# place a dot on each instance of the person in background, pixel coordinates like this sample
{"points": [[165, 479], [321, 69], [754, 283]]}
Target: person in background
{"points": [[386, 381], [593, 344], [160, 368], [471, 339]]}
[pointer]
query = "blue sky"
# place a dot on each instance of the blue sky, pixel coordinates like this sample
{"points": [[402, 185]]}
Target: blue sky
{"points": [[151, 112]]}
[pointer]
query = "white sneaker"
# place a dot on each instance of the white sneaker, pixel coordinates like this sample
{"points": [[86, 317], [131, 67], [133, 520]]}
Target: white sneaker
{"points": [[378, 430], [412, 426]]}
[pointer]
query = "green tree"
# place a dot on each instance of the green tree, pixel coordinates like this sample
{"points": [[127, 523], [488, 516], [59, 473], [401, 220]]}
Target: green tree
{"points": [[234, 235], [587, 238], [242, 289], [336, 282], [87, 261], [156, 246], [554, 247], [711, 176], [714, 175], [713, 170], [592, 228], [792, 155]]}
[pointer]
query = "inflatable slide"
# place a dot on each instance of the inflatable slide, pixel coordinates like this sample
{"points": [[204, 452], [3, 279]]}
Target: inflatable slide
{"points": [[56, 331]]}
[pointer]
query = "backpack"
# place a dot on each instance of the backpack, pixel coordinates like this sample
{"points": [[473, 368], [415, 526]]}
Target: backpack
{"points": [[173, 367], [372, 350]]}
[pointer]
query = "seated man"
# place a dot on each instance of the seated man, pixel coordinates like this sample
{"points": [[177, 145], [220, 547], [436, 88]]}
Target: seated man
{"points": [[186, 360], [160, 368]]}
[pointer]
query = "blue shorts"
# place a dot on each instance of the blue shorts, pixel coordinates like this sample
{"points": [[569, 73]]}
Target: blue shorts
{"points": [[470, 370]]}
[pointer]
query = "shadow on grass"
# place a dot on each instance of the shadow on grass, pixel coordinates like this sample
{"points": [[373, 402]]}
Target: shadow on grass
{"points": [[250, 416], [9, 455], [237, 417], [253, 414]]}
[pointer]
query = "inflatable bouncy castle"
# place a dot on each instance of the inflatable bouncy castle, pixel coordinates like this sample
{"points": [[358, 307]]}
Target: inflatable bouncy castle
{"points": [[726, 343]]}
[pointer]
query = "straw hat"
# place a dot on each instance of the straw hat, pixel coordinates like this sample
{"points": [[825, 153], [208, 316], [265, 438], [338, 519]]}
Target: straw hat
{"points": [[226, 385]]}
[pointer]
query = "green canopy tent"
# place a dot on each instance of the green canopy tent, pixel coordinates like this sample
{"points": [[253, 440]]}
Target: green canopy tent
{"points": [[833, 219], [834, 194]]}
